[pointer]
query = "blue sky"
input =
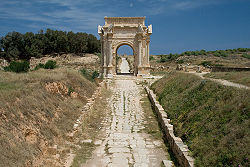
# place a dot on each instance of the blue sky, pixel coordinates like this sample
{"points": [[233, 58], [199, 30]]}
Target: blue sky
{"points": [[178, 25]]}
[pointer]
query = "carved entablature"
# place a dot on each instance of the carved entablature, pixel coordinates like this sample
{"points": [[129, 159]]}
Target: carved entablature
{"points": [[118, 31]]}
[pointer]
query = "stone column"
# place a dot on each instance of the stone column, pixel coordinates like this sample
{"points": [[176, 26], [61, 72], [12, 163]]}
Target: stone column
{"points": [[140, 53], [144, 53], [109, 55], [148, 52], [110, 52], [104, 57]]}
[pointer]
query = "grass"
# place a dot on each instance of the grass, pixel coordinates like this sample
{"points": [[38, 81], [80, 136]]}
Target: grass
{"points": [[158, 73], [91, 128], [152, 127], [25, 104], [213, 120], [237, 77], [89, 74]]}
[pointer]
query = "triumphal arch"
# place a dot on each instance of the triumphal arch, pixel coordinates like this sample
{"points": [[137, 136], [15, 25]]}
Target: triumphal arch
{"points": [[130, 31]]}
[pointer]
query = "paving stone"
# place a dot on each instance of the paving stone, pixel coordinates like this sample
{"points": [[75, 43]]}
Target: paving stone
{"points": [[125, 143], [118, 150], [98, 142]]}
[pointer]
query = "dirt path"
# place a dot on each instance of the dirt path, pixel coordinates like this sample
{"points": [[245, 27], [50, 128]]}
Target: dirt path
{"points": [[222, 81], [125, 143]]}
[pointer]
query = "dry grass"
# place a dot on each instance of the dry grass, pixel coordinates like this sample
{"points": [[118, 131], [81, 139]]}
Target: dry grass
{"points": [[32, 118], [91, 128], [237, 77], [230, 61]]}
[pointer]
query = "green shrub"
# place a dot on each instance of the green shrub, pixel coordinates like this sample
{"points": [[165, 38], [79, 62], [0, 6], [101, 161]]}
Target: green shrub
{"points": [[170, 57], [40, 65], [203, 52], [95, 74], [223, 53], [246, 55], [206, 63], [98, 54], [188, 53], [151, 58], [18, 66], [217, 54], [50, 64], [89, 75], [70, 90], [218, 65], [242, 49], [180, 61], [163, 58]]}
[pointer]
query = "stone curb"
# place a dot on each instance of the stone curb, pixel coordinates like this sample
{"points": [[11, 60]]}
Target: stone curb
{"points": [[179, 149], [167, 163], [87, 107]]}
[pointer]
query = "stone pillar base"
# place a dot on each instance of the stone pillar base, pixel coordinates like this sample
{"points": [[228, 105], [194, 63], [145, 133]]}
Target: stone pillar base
{"points": [[143, 71]]}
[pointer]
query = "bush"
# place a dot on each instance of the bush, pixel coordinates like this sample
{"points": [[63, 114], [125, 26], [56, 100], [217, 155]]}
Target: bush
{"points": [[70, 90], [218, 65], [188, 53], [223, 53], [40, 65], [163, 58], [95, 74], [18, 66], [242, 49], [89, 75], [209, 64], [50, 64], [151, 58], [246, 55], [206, 63], [170, 57], [217, 54], [180, 61], [203, 52], [98, 54]]}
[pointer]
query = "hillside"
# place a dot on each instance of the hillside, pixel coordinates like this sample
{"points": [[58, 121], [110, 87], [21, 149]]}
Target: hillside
{"points": [[213, 120], [37, 110], [224, 58]]}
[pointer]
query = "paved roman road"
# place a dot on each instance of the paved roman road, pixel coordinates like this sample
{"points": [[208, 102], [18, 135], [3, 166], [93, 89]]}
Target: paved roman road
{"points": [[124, 66], [125, 144]]}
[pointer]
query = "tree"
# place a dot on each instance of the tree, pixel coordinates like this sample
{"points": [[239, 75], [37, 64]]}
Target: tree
{"points": [[24, 46], [13, 45]]}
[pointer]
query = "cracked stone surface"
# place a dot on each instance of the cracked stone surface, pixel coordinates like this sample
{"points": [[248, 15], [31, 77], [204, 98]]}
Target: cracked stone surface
{"points": [[124, 143]]}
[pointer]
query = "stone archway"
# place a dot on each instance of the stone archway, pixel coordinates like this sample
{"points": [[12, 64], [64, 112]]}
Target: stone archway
{"points": [[119, 31]]}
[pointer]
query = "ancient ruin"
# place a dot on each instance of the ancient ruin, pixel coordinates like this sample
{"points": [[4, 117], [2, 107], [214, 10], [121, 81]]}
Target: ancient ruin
{"points": [[130, 31]]}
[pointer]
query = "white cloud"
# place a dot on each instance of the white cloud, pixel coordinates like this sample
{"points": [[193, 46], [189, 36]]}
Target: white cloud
{"points": [[85, 15], [157, 7], [191, 4], [66, 15]]}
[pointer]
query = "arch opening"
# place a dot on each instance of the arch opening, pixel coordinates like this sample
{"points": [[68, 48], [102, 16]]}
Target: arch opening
{"points": [[125, 60]]}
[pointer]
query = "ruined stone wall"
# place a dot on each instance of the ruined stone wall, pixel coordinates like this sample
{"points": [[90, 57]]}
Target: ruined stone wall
{"points": [[229, 69], [179, 149]]}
